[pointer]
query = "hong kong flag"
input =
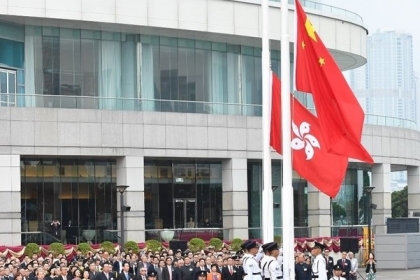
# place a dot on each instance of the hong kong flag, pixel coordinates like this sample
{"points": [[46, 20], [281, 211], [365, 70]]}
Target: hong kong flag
{"points": [[339, 113], [310, 157]]}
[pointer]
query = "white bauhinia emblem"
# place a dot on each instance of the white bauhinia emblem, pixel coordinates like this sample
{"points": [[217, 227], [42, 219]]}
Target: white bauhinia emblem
{"points": [[304, 140]]}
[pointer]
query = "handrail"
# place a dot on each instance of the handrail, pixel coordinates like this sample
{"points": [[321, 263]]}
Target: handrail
{"points": [[164, 105], [328, 9]]}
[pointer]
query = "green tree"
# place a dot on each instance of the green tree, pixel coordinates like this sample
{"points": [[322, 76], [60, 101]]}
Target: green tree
{"points": [[400, 203]]}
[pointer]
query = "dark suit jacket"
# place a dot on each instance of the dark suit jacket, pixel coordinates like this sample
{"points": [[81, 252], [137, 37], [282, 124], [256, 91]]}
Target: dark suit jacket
{"points": [[92, 275], [121, 276], [133, 269], [101, 276], [197, 271], [346, 267], [165, 273], [116, 267], [303, 271], [187, 272], [227, 276], [330, 265], [240, 270]]}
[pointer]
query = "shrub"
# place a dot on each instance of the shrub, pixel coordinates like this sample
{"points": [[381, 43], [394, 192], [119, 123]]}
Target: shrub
{"points": [[216, 243], [131, 245], [236, 243], [30, 249], [153, 245], [57, 248], [107, 246], [196, 244], [84, 248]]}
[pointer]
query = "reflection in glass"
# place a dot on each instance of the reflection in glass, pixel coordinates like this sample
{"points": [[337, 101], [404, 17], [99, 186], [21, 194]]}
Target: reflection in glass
{"points": [[175, 192], [79, 193]]}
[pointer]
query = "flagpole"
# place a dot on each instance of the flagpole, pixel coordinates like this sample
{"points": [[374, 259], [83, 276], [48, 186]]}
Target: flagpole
{"points": [[266, 205], [287, 190]]}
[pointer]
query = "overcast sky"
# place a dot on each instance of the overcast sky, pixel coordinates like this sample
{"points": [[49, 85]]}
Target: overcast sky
{"points": [[389, 15]]}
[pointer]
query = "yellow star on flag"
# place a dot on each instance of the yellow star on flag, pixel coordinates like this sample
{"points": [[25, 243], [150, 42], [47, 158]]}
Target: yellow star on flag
{"points": [[310, 29], [321, 61]]}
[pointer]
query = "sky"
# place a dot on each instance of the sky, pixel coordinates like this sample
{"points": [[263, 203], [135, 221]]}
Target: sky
{"points": [[399, 15]]}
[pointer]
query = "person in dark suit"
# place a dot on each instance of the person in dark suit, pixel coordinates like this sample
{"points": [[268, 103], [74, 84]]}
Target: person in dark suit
{"points": [[125, 274], [239, 268], [168, 272], [153, 266], [118, 264], [230, 272], [330, 263], [143, 274], [92, 270], [345, 265], [303, 271], [106, 273], [187, 271], [201, 267]]}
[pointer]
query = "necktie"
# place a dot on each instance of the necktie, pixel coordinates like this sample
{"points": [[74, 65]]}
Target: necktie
{"points": [[107, 276], [170, 273], [126, 276], [230, 270]]}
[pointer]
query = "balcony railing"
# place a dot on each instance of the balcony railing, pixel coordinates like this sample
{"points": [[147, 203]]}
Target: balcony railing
{"points": [[328, 9], [161, 105]]}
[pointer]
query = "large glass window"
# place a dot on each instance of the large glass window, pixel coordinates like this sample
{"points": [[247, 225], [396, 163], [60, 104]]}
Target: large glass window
{"points": [[300, 198], [182, 194], [80, 194], [75, 68]]}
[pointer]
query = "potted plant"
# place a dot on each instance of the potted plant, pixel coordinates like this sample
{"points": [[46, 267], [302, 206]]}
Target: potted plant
{"points": [[107, 246], [84, 248], [216, 243], [196, 244], [57, 248], [153, 245], [131, 245], [236, 243], [31, 248]]}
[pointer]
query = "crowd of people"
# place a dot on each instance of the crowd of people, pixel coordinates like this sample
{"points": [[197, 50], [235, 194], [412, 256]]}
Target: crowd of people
{"points": [[253, 262]]}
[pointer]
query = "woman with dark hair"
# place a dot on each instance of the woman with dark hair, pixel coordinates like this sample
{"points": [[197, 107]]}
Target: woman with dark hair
{"points": [[214, 275], [371, 267]]}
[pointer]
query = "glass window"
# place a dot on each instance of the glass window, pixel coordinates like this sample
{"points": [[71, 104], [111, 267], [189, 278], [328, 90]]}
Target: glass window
{"points": [[79, 194], [182, 194]]}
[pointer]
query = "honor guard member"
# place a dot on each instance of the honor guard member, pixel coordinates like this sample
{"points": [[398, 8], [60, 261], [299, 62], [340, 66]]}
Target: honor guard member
{"points": [[319, 268], [272, 269], [250, 264], [152, 275], [264, 258], [337, 273]]}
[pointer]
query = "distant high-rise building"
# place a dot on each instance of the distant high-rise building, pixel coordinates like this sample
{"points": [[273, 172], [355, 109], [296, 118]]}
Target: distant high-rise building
{"points": [[386, 85]]}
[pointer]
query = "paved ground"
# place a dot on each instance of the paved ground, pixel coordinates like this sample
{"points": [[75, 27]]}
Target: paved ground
{"points": [[409, 274]]}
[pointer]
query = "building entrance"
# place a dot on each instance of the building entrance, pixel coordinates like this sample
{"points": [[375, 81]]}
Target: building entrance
{"points": [[185, 213]]}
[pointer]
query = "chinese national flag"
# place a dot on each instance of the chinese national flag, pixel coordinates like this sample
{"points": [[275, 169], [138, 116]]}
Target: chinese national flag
{"points": [[310, 158], [339, 113]]}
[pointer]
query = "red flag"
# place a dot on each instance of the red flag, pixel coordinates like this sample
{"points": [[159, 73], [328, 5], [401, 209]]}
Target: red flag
{"points": [[340, 114], [310, 158]]}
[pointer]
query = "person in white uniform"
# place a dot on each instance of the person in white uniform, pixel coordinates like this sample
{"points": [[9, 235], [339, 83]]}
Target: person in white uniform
{"points": [[250, 264], [271, 268], [319, 268], [337, 273]]}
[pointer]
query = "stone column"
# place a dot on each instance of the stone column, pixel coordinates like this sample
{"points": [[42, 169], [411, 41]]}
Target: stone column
{"points": [[413, 188], [130, 172], [235, 198], [10, 212], [319, 212], [381, 196]]}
